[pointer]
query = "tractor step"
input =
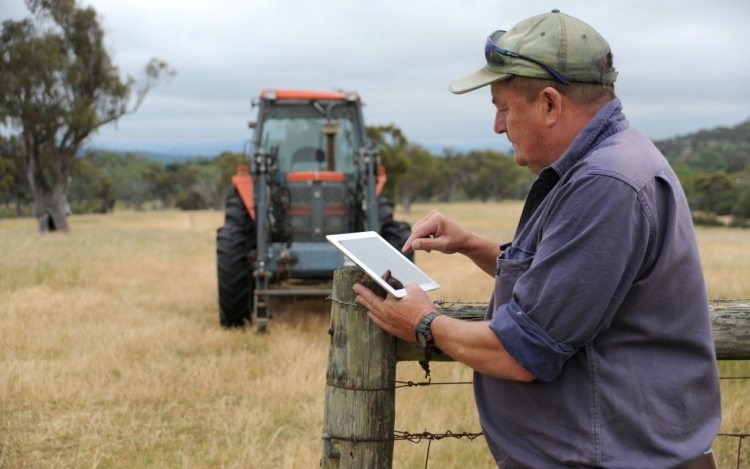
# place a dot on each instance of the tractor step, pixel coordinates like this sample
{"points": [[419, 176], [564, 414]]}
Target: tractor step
{"points": [[294, 292]]}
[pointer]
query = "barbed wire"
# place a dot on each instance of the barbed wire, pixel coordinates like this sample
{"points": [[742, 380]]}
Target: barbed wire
{"points": [[415, 438], [418, 437], [410, 437], [429, 382], [399, 385], [741, 437], [449, 304]]}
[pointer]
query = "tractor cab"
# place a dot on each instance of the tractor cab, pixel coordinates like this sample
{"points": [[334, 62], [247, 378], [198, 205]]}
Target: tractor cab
{"points": [[311, 134]]}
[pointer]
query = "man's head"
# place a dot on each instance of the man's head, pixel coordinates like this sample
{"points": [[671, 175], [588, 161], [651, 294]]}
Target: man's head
{"points": [[549, 75], [552, 46]]}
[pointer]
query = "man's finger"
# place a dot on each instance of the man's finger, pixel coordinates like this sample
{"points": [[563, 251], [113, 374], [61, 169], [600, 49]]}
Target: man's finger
{"points": [[367, 298], [422, 229]]}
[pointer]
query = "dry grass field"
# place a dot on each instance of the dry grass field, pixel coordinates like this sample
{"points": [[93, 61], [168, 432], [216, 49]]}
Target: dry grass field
{"points": [[111, 355]]}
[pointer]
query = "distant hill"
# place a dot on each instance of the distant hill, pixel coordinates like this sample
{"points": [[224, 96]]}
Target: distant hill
{"points": [[719, 149], [165, 158]]}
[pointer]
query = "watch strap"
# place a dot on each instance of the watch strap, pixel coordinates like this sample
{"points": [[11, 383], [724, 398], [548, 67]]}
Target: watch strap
{"points": [[424, 329]]}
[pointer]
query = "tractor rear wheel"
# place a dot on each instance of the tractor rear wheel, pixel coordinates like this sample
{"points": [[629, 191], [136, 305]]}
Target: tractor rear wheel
{"points": [[395, 232], [234, 241]]}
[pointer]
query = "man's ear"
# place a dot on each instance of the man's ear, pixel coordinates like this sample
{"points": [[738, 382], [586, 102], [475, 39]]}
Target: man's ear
{"points": [[551, 106]]}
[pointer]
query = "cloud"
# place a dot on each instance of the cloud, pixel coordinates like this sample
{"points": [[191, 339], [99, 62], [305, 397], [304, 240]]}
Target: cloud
{"points": [[682, 65]]}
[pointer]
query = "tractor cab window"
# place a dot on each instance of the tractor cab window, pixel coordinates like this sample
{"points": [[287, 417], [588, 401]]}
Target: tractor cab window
{"points": [[297, 131]]}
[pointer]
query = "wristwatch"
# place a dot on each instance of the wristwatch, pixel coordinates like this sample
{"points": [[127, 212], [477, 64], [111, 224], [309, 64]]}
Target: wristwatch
{"points": [[424, 334]]}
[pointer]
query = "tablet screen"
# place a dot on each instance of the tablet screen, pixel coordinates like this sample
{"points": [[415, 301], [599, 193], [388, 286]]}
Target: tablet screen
{"points": [[376, 256]]}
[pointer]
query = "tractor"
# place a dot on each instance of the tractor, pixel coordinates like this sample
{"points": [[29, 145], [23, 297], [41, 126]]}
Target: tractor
{"points": [[311, 172]]}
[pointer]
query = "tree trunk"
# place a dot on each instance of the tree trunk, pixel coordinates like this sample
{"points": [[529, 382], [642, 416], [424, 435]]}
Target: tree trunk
{"points": [[452, 187], [17, 204], [49, 198], [404, 196], [49, 209]]}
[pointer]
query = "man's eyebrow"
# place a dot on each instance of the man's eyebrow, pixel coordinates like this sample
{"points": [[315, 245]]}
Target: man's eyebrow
{"points": [[493, 100]]}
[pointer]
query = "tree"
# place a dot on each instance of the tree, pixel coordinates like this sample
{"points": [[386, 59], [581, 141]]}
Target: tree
{"points": [[163, 184], [742, 210], [419, 181], [392, 146], [226, 165], [13, 183], [58, 85], [90, 189], [715, 193], [496, 177], [449, 174]]}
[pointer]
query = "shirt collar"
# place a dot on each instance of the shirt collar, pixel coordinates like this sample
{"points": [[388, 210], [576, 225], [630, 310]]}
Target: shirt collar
{"points": [[607, 121]]}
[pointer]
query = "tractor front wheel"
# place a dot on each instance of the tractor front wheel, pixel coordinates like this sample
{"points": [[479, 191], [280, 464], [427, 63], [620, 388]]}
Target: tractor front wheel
{"points": [[234, 241]]}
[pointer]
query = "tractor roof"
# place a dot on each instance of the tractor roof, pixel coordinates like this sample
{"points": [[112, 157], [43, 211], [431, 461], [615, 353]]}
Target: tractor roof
{"points": [[308, 94]]}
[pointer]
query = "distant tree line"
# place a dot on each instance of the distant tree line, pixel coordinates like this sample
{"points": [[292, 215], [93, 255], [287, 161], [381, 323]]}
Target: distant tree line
{"points": [[713, 166], [101, 179], [714, 169]]}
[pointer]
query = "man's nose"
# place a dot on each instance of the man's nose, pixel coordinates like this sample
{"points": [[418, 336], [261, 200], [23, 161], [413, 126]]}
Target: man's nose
{"points": [[499, 125]]}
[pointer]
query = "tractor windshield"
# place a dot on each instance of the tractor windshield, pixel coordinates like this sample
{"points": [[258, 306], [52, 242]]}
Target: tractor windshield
{"points": [[297, 131]]}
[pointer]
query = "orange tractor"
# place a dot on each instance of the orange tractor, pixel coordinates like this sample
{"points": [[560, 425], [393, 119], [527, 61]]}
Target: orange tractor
{"points": [[311, 173]]}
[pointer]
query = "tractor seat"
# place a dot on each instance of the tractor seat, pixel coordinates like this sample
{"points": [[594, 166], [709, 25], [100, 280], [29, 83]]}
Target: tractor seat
{"points": [[308, 159]]}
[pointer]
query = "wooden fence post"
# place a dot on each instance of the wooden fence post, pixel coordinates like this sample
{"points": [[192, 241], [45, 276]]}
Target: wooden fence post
{"points": [[360, 382]]}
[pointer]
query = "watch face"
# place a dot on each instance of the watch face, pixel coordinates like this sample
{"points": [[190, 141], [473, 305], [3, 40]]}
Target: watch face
{"points": [[421, 339]]}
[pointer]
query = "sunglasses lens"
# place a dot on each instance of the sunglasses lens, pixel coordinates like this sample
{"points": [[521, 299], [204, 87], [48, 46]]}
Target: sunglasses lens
{"points": [[490, 54], [488, 51]]}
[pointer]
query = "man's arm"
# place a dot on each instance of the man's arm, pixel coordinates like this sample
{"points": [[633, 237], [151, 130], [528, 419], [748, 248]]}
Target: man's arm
{"points": [[471, 343], [475, 345]]}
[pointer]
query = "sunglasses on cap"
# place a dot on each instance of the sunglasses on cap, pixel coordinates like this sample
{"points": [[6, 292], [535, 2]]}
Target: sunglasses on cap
{"points": [[495, 55]]}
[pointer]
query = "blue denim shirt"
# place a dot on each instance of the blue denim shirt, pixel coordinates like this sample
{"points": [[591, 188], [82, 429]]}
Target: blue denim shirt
{"points": [[601, 296]]}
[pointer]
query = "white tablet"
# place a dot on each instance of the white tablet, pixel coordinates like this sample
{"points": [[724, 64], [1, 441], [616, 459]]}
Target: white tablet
{"points": [[376, 256]]}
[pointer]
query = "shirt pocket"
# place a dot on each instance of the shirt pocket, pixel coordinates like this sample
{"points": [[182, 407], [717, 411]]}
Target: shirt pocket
{"points": [[507, 273]]}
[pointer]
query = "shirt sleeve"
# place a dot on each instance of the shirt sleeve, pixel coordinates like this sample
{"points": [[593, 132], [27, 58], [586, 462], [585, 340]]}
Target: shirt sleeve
{"points": [[592, 241]]}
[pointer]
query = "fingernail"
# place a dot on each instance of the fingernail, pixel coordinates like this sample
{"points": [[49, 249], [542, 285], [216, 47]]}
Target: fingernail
{"points": [[416, 245]]}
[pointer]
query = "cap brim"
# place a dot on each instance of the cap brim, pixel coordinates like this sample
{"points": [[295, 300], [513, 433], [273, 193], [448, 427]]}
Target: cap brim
{"points": [[478, 79]]}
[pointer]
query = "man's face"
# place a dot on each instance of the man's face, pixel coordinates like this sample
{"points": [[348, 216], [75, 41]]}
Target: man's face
{"points": [[522, 122]]}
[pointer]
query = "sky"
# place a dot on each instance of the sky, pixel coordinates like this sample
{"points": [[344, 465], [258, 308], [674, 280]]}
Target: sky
{"points": [[683, 65]]}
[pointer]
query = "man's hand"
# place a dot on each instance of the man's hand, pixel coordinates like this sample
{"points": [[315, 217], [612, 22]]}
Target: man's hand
{"points": [[398, 316], [437, 232], [391, 280]]}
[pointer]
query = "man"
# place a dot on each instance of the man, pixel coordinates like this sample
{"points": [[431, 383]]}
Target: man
{"points": [[597, 348]]}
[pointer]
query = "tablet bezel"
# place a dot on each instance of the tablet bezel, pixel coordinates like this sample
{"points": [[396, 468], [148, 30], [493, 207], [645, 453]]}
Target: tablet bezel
{"points": [[400, 293]]}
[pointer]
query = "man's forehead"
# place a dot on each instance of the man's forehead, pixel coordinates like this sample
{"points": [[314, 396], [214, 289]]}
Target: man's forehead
{"points": [[498, 91]]}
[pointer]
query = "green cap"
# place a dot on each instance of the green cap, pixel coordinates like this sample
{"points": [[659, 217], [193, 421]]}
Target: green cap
{"points": [[566, 44]]}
